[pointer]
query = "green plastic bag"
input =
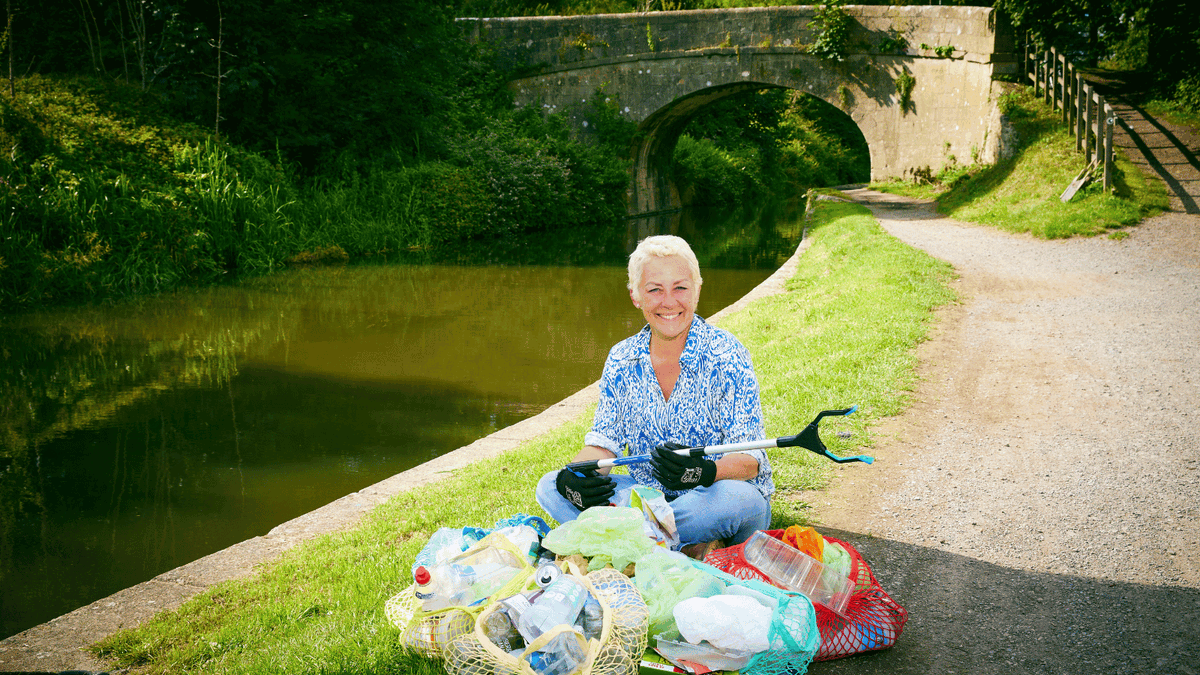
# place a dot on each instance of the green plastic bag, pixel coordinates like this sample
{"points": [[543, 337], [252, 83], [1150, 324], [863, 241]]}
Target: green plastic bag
{"points": [[604, 534], [664, 581]]}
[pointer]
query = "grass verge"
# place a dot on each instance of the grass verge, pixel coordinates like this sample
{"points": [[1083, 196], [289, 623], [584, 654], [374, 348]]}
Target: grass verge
{"points": [[843, 332], [1021, 194]]}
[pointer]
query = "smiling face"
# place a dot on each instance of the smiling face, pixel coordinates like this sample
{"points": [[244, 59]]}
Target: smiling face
{"points": [[667, 296]]}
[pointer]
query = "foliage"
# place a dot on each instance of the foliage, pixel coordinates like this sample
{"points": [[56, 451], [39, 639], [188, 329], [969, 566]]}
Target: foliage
{"points": [[894, 41], [832, 23], [768, 142], [941, 51], [319, 606], [904, 87], [106, 195]]}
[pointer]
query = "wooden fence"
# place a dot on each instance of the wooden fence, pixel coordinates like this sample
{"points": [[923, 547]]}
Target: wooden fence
{"points": [[1084, 110]]}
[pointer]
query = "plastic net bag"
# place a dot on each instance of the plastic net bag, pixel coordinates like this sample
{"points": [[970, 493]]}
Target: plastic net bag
{"points": [[617, 651], [430, 632], [792, 635], [871, 620]]}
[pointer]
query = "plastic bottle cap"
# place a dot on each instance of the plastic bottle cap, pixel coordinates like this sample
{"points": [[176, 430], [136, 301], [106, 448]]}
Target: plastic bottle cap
{"points": [[421, 576]]}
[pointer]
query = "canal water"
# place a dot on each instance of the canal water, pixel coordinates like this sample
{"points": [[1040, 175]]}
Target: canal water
{"points": [[139, 436]]}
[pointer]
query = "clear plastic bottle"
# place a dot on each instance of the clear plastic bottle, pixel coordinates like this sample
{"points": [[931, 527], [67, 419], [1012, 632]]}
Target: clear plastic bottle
{"points": [[560, 603], [499, 628], [467, 578], [592, 617], [795, 571], [562, 655], [426, 590]]}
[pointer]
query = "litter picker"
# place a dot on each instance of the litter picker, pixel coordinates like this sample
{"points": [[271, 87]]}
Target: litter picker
{"points": [[809, 439]]}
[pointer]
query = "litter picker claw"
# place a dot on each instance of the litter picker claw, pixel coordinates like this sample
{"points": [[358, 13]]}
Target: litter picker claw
{"points": [[810, 439]]}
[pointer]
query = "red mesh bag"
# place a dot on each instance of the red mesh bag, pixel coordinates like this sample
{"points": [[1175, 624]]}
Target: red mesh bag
{"points": [[872, 620]]}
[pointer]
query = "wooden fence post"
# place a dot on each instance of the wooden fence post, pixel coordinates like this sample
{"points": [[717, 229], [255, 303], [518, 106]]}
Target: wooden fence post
{"points": [[1101, 104], [1110, 119], [1080, 120], [1049, 65], [1087, 123], [1036, 73], [1066, 90]]}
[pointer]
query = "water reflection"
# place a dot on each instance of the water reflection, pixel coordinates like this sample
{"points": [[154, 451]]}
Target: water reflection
{"points": [[142, 436]]}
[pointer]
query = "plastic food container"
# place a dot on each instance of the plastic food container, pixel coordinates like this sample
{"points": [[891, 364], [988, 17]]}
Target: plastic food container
{"points": [[795, 571], [705, 654]]}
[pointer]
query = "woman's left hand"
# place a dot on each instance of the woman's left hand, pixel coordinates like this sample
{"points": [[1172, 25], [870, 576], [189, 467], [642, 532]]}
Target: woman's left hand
{"points": [[681, 472]]}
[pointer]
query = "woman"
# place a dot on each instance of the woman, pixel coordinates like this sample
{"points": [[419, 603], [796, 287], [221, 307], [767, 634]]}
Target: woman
{"points": [[679, 382]]}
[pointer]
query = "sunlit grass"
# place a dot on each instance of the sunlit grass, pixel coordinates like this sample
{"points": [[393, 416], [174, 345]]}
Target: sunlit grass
{"points": [[842, 333], [1022, 193]]}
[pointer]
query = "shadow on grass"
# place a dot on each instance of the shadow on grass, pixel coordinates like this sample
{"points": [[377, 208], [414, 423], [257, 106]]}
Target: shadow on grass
{"points": [[969, 616]]}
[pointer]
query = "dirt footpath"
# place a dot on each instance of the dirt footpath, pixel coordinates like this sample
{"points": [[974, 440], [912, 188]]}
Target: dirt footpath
{"points": [[1036, 510]]}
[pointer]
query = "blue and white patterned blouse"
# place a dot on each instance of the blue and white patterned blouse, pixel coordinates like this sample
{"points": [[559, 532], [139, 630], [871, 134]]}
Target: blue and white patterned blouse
{"points": [[715, 401]]}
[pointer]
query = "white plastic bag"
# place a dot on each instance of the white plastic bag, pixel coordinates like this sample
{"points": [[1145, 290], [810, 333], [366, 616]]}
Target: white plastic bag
{"points": [[725, 621]]}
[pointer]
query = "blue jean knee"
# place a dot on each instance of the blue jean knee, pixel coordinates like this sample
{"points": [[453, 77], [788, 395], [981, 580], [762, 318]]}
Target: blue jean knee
{"points": [[730, 510]]}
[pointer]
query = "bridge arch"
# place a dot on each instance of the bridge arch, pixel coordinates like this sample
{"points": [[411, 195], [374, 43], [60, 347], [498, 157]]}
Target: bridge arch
{"points": [[662, 68]]}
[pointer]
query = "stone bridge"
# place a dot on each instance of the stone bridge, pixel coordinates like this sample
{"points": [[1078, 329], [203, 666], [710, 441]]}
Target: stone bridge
{"points": [[662, 68]]}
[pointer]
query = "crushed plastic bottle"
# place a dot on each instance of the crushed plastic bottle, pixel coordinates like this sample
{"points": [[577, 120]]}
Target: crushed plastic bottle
{"points": [[562, 655], [559, 603], [446, 543], [592, 618], [499, 628]]}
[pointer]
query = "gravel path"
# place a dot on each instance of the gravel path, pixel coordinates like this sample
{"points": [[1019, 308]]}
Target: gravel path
{"points": [[1036, 510]]}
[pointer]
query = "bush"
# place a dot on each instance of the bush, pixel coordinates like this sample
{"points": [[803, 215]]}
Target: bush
{"points": [[712, 176], [1187, 93]]}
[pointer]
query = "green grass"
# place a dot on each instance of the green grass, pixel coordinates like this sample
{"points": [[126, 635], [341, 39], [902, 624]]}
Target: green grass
{"points": [[1173, 112], [842, 333], [1021, 194]]}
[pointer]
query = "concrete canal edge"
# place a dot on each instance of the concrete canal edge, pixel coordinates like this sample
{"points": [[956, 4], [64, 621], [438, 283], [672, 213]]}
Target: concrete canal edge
{"points": [[59, 644]]}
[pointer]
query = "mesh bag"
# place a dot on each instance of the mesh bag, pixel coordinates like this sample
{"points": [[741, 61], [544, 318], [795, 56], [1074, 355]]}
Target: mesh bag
{"points": [[793, 634], [618, 651], [872, 620], [429, 633]]}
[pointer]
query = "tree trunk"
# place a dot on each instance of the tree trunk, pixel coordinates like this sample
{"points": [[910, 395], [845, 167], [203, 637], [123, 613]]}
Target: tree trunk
{"points": [[12, 87]]}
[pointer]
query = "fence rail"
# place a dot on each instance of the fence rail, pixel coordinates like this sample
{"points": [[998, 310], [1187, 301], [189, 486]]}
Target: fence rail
{"points": [[1084, 110]]}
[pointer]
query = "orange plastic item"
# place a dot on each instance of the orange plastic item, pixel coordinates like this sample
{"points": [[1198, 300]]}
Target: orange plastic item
{"points": [[806, 540]]}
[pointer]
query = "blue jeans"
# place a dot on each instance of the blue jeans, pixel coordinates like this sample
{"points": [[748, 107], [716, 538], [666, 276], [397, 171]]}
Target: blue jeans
{"points": [[730, 510]]}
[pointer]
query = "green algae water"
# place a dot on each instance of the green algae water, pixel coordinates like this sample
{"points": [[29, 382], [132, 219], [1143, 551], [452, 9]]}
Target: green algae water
{"points": [[139, 436]]}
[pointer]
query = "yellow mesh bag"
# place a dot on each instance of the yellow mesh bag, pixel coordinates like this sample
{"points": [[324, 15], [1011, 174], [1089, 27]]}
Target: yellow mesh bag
{"points": [[617, 652], [429, 633]]}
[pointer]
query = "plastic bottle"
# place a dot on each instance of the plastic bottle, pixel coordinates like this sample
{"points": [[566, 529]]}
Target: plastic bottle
{"points": [[562, 655], [795, 571], [559, 604], [466, 579], [499, 628], [426, 590], [592, 617], [445, 543]]}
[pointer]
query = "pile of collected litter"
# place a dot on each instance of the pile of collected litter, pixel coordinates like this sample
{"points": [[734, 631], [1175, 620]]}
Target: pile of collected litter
{"points": [[602, 595]]}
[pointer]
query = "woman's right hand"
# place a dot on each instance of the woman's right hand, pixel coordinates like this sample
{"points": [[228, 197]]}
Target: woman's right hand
{"points": [[592, 489]]}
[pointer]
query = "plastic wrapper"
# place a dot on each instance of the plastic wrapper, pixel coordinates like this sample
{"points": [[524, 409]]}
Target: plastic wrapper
{"points": [[806, 540], [659, 517], [605, 535], [664, 579]]}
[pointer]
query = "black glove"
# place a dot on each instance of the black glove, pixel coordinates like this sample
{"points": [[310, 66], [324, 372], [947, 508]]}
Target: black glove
{"points": [[681, 472], [591, 490]]}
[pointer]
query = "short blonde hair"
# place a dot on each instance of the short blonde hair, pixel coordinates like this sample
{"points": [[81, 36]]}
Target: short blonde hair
{"points": [[660, 246]]}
